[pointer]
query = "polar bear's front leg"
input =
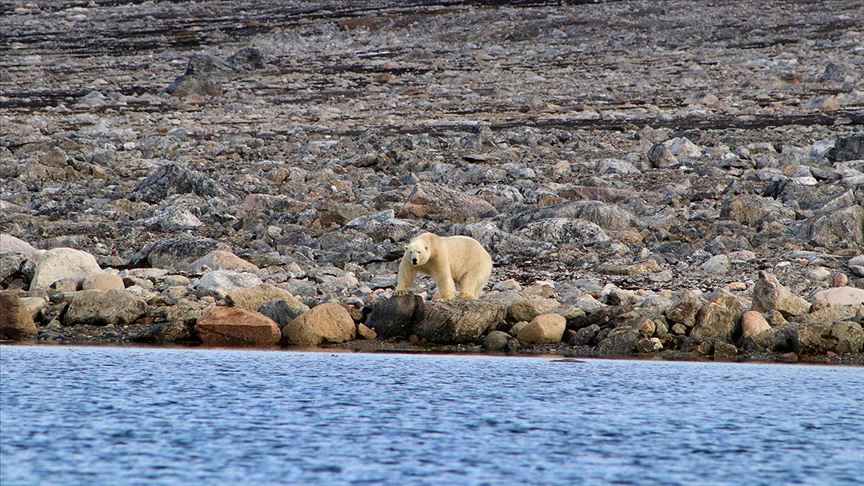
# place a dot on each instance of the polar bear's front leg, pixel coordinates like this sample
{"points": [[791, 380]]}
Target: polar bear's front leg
{"points": [[406, 277]]}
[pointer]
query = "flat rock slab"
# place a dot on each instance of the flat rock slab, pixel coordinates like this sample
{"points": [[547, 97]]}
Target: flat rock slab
{"points": [[458, 321]]}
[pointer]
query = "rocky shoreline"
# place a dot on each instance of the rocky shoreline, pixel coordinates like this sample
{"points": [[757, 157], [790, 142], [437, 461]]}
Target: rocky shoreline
{"points": [[684, 181]]}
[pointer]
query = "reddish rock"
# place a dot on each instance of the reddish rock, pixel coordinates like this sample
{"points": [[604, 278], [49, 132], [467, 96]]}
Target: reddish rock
{"points": [[753, 323], [232, 326]]}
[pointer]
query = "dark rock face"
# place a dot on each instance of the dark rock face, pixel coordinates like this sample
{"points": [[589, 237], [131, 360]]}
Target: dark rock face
{"points": [[246, 59], [849, 148], [172, 179], [458, 321], [620, 341], [200, 85], [281, 311], [178, 253], [396, 316]]}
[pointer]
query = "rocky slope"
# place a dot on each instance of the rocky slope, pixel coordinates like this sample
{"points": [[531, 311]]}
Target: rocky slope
{"points": [[632, 162]]}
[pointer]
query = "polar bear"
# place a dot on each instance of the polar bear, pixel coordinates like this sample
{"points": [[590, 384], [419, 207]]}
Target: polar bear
{"points": [[448, 260]]}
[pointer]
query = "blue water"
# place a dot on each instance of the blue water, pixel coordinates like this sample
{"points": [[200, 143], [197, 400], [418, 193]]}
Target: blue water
{"points": [[87, 415]]}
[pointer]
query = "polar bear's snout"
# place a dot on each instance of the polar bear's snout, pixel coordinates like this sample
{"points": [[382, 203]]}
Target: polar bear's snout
{"points": [[414, 261]]}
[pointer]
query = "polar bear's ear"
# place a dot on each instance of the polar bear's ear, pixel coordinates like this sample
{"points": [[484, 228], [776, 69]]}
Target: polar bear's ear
{"points": [[405, 247]]}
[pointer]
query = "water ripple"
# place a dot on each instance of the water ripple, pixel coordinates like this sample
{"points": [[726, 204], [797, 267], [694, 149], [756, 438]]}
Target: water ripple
{"points": [[167, 416]]}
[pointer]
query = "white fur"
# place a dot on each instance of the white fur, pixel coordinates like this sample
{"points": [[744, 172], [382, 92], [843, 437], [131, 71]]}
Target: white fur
{"points": [[449, 260]]}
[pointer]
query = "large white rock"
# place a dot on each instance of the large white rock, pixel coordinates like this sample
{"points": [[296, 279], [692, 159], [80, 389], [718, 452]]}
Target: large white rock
{"points": [[60, 264], [840, 296], [220, 283], [10, 244]]}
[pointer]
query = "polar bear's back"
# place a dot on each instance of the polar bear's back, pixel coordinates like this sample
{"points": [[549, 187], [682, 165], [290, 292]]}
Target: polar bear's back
{"points": [[465, 254]]}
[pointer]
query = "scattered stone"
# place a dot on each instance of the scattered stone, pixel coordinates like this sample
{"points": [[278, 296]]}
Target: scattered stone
{"points": [[717, 264], [323, 324], [176, 254], [221, 260], [232, 326], [170, 179], [437, 202]]}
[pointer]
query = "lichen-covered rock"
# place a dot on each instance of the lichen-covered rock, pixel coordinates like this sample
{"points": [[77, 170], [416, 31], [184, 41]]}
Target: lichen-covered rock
{"points": [[496, 341], [822, 337], [323, 324], [103, 308], [719, 319], [685, 309], [770, 294], [620, 341], [458, 321], [283, 311]]}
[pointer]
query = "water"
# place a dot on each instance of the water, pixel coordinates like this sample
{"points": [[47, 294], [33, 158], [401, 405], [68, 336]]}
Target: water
{"points": [[188, 416]]}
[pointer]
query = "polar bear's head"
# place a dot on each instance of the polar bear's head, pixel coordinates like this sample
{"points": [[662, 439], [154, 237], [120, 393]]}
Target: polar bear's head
{"points": [[418, 251]]}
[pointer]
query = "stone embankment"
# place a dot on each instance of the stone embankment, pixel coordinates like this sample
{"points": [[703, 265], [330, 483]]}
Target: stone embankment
{"points": [[679, 179]]}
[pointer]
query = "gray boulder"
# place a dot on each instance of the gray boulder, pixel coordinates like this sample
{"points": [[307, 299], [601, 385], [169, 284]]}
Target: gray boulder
{"points": [[458, 321], [103, 308], [396, 316], [176, 254]]}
